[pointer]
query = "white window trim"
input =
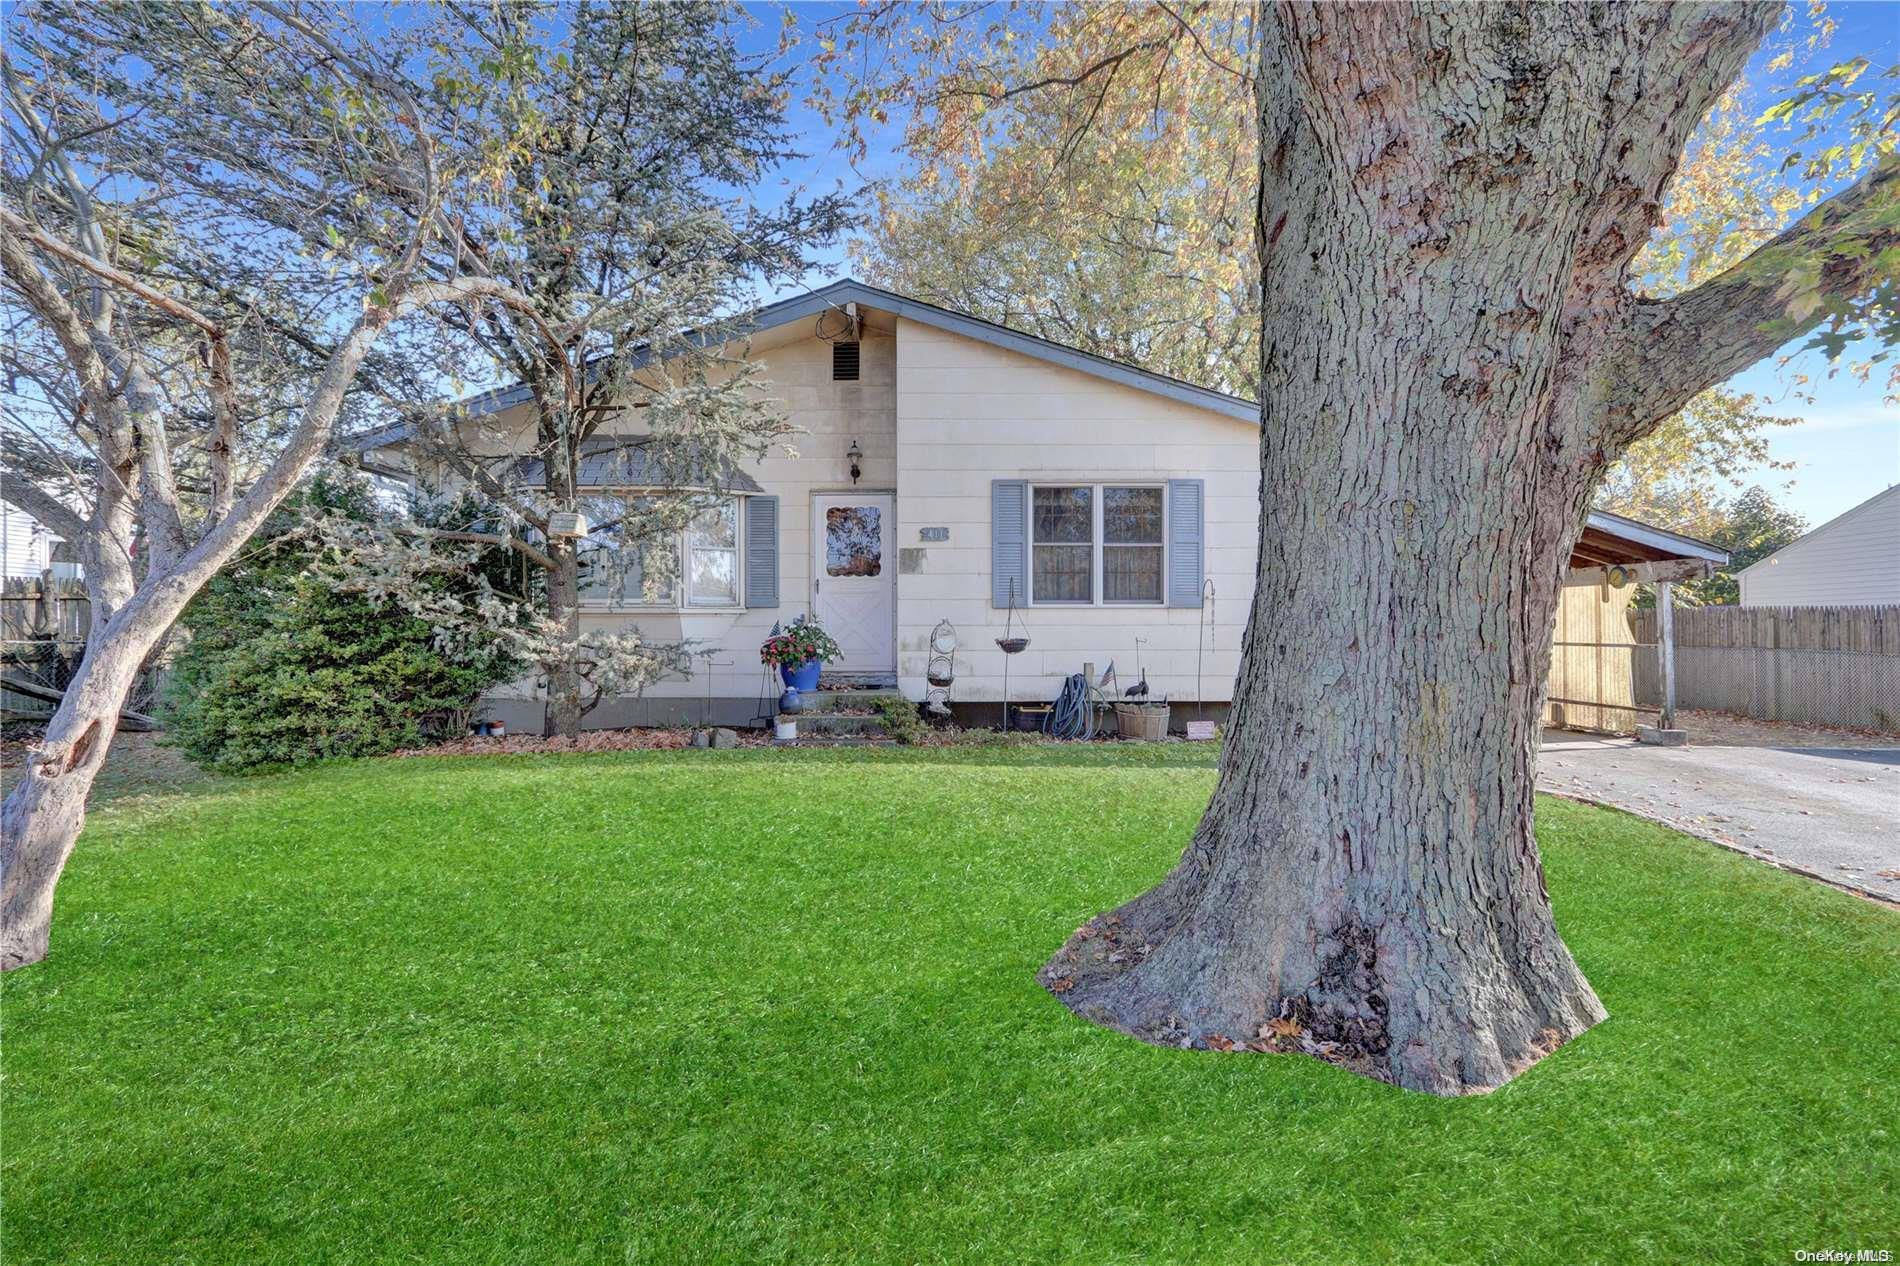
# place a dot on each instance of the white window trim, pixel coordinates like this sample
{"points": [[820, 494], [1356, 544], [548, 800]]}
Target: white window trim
{"points": [[1096, 543], [681, 604]]}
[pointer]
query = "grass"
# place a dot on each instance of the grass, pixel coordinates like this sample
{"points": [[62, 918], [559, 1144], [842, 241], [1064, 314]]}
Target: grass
{"points": [[776, 1006]]}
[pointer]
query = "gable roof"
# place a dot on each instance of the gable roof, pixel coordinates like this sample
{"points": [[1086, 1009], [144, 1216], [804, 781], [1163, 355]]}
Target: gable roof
{"points": [[1831, 525], [839, 293]]}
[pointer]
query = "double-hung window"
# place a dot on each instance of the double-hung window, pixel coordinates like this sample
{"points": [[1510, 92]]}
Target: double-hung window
{"points": [[1096, 544], [701, 561], [712, 556]]}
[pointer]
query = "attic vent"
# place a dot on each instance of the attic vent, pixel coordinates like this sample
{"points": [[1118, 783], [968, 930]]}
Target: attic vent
{"points": [[844, 362]]}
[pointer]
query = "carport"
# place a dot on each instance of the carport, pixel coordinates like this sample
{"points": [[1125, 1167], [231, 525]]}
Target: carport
{"points": [[1594, 657]]}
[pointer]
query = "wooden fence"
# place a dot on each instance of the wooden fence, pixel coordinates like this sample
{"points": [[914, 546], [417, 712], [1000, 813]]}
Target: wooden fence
{"points": [[1819, 665], [38, 608], [43, 623]]}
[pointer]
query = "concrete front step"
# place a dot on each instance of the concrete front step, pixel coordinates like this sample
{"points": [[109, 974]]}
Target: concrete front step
{"points": [[838, 723], [837, 740], [819, 701]]}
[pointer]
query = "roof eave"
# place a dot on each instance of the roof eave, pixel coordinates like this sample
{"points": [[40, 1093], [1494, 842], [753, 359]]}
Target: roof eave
{"points": [[1676, 543]]}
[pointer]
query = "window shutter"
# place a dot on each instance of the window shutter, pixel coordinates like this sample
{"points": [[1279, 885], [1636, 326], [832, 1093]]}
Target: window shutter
{"points": [[1187, 545], [761, 551], [1009, 541]]}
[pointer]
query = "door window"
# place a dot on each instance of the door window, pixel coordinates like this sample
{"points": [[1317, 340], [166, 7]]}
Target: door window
{"points": [[854, 541]]}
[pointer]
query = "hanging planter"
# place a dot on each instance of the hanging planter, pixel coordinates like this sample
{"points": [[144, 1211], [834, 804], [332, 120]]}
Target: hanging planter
{"points": [[1009, 642]]}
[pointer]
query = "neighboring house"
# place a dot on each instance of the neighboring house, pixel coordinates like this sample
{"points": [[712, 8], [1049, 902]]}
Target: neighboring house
{"points": [[1117, 508], [29, 548], [1852, 560]]}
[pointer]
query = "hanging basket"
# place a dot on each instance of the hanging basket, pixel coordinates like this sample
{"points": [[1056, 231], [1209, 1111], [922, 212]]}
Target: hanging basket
{"points": [[1010, 644]]}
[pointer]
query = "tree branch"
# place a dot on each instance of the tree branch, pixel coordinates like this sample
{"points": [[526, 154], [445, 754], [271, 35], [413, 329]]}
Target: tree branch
{"points": [[1676, 348], [487, 538], [65, 522]]}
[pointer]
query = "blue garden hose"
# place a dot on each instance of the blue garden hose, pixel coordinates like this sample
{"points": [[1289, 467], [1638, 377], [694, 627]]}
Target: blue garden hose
{"points": [[1071, 717]]}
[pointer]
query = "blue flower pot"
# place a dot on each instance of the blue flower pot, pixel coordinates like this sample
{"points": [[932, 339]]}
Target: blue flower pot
{"points": [[804, 678]]}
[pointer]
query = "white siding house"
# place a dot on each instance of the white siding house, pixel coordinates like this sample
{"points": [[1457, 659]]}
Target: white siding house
{"points": [[1003, 481], [1852, 560], [26, 547]]}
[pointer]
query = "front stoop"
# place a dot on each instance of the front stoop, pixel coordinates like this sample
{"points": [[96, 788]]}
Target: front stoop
{"points": [[836, 715]]}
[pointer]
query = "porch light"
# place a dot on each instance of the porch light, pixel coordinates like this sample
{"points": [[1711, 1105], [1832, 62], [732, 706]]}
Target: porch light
{"points": [[855, 456]]}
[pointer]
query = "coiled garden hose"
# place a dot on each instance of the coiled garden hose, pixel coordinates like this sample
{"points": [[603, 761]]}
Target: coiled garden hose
{"points": [[1071, 717]]}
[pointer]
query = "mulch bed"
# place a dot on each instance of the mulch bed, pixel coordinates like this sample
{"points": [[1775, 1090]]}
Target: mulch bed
{"points": [[637, 740]]}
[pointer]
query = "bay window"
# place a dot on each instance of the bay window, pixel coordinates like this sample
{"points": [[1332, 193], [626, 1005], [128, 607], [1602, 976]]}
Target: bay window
{"points": [[1090, 539]]}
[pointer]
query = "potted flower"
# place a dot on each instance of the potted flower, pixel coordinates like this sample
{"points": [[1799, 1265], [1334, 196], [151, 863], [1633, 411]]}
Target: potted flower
{"points": [[800, 651]]}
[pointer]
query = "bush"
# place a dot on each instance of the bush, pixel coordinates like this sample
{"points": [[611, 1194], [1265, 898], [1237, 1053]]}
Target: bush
{"points": [[899, 718], [283, 670]]}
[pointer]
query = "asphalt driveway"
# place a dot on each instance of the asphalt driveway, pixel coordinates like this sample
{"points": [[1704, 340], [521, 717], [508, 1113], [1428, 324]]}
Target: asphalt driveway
{"points": [[1829, 812]]}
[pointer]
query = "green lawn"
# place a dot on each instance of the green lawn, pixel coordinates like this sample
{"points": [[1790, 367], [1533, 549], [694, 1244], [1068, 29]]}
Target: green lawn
{"points": [[778, 1006]]}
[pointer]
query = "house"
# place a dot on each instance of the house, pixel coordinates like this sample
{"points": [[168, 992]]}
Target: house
{"points": [[1852, 560], [28, 547], [955, 471]]}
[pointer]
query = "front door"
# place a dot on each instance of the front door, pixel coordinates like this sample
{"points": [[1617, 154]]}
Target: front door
{"points": [[854, 595]]}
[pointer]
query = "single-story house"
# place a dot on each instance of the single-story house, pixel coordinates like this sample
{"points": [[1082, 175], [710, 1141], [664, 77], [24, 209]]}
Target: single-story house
{"points": [[1852, 560], [953, 471]]}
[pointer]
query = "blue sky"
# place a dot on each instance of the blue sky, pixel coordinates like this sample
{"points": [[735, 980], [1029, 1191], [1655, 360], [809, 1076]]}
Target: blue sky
{"points": [[1847, 447]]}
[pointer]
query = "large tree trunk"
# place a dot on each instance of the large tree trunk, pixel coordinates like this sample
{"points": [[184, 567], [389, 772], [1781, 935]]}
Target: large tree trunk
{"points": [[1450, 197], [43, 815], [565, 708]]}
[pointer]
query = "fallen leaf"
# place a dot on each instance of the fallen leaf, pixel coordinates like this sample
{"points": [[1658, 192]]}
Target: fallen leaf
{"points": [[1281, 1026], [1063, 985], [1218, 1043]]}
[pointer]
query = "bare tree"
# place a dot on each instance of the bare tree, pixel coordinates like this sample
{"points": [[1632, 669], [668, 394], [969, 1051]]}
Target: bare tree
{"points": [[86, 252]]}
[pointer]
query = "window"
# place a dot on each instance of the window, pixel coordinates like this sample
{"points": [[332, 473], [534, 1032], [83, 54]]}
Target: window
{"points": [[712, 557], [703, 559], [1131, 544], [1091, 539], [614, 574], [844, 362], [854, 541], [1064, 539]]}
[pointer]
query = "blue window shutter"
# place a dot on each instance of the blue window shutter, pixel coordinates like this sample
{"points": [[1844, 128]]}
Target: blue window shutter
{"points": [[1009, 541], [1187, 541], [761, 551]]}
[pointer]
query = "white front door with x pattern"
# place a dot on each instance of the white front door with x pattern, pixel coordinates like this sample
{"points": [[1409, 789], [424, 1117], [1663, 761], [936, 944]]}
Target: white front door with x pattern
{"points": [[854, 588]]}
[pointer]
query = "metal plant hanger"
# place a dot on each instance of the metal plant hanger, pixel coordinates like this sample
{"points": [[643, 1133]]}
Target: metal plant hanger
{"points": [[1010, 645]]}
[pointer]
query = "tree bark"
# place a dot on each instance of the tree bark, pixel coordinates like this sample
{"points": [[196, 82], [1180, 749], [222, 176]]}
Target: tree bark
{"points": [[1450, 198], [565, 708]]}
